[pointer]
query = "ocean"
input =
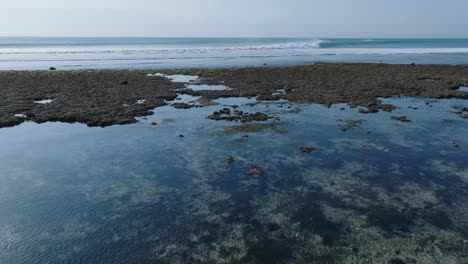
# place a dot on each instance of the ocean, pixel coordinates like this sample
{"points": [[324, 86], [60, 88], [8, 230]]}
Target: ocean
{"points": [[151, 53]]}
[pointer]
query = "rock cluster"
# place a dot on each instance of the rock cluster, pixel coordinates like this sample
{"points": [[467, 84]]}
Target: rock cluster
{"points": [[182, 105], [226, 114], [254, 171]]}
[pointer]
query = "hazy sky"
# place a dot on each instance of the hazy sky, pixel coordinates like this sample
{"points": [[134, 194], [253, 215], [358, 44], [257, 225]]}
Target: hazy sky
{"points": [[235, 18]]}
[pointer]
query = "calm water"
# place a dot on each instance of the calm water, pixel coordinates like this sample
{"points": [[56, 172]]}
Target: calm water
{"points": [[380, 190], [76, 53]]}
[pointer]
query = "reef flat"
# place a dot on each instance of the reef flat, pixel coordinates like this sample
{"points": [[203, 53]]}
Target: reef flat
{"points": [[108, 97], [220, 167]]}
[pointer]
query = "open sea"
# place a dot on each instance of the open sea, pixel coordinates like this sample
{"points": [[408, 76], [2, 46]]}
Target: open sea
{"points": [[143, 53]]}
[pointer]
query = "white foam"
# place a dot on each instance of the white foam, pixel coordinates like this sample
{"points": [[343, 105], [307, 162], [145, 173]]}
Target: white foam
{"points": [[20, 116], [46, 101], [141, 101]]}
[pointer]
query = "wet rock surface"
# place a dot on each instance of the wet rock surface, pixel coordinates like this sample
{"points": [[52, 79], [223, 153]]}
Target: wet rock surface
{"points": [[182, 105], [95, 98], [107, 97], [226, 114]]}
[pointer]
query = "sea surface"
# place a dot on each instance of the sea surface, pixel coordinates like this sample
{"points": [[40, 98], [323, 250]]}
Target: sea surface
{"points": [[145, 53], [175, 187]]}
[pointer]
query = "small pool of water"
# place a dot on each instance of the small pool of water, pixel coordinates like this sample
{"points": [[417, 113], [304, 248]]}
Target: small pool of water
{"points": [[463, 89], [176, 77], [205, 87], [45, 101]]}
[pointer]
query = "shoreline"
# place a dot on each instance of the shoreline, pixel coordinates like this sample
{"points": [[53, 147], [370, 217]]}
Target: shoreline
{"points": [[110, 97]]}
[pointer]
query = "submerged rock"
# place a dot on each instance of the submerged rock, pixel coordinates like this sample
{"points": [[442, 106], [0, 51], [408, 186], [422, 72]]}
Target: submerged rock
{"points": [[367, 111], [229, 160], [352, 124], [307, 149], [225, 114], [254, 171], [401, 119]]}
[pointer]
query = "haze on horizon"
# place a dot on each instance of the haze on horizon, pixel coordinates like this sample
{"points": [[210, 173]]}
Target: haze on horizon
{"points": [[241, 18]]}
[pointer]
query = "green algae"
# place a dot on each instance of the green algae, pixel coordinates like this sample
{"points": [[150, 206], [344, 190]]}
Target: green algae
{"points": [[206, 102], [294, 111], [168, 120], [352, 124]]}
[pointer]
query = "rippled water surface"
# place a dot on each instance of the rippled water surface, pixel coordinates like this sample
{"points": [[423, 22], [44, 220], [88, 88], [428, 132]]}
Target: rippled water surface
{"points": [[374, 188]]}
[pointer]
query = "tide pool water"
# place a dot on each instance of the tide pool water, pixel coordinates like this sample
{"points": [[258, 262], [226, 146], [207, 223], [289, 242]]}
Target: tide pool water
{"points": [[374, 188], [151, 53]]}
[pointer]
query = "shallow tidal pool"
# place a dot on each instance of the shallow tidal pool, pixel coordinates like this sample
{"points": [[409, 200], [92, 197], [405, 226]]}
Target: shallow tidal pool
{"points": [[175, 187]]}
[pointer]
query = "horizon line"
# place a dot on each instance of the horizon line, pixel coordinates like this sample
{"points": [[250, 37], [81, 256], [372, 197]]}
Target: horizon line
{"points": [[214, 37]]}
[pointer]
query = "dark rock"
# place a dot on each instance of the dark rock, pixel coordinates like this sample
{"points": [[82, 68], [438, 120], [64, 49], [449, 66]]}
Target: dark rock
{"points": [[124, 83], [371, 108], [52, 69], [154, 123], [225, 111], [308, 149], [182, 106], [272, 227], [396, 261], [355, 249], [225, 115], [181, 136], [254, 171], [401, 119]]}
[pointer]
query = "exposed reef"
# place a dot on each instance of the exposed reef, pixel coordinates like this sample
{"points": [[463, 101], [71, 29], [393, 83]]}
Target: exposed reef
{"points": [[108, 97]]}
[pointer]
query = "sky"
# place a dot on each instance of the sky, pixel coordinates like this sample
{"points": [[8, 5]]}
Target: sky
{"points": [[235, 18]]}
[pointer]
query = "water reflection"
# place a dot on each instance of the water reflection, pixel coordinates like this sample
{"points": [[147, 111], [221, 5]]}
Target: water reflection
{"points": [[383, 189]]}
